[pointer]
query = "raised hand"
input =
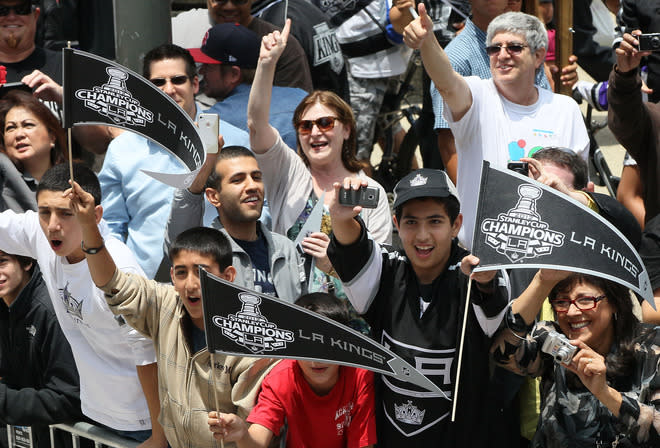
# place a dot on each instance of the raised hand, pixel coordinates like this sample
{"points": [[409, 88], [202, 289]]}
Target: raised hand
{"points": [[419, 29], [273, 44], [628, 56], [44, 87], [82, 204]]}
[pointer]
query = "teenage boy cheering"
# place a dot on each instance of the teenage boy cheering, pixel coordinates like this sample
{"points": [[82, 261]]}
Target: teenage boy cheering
{"points": [[106, 349], [414, 303], [172, 316]]}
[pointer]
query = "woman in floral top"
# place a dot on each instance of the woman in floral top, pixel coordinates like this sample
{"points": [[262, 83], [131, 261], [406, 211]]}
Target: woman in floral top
{"points": [[609, 393]]}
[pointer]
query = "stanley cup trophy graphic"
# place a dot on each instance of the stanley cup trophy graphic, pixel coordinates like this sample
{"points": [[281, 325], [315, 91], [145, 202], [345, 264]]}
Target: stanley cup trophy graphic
{"points": [[523, 213], [117, 81], [250, 308], [526, 206]]}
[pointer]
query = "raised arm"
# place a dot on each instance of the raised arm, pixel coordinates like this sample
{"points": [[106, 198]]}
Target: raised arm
{"points": [[188, 204], [262, 134], [344, 226], [101, 265], [627, 115], [453, 88]]}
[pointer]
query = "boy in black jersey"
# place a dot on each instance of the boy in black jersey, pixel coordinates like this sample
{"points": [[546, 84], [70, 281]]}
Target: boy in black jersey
{"points": [[414, 302]]}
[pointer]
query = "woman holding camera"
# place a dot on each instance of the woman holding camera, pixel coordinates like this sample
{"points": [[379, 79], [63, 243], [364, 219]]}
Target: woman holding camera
{"points": [[607, 392], [326, 136]]}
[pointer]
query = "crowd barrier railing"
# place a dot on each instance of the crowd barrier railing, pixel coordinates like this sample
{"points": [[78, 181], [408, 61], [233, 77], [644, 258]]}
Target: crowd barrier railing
{"points": [[99, 436]]}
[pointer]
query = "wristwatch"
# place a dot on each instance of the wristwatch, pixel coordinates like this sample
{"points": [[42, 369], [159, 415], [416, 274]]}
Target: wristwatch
{"points": [[92, 250]]}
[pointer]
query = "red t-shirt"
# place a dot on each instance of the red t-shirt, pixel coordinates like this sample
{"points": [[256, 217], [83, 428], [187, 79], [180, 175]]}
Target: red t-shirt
{"points": [[344, 418]]}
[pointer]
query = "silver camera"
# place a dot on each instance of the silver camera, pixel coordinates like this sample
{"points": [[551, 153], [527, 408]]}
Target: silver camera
{"points": [[557, 346], [649, 42]]}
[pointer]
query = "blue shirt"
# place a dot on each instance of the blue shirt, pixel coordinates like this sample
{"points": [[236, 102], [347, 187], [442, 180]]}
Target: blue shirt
{"points": [[467, 54], [284, 101], [135, 205]]}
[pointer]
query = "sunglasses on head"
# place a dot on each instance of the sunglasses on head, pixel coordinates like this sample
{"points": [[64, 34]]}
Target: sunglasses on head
{"points": [[512, 49], [323, 123], [21, 10], [176, 80]]}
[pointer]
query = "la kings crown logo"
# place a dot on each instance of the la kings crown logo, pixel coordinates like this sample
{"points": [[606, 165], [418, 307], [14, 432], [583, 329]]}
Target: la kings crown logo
{"points": [[409, 413], [251, 329], [113, 100], [520, 233]]}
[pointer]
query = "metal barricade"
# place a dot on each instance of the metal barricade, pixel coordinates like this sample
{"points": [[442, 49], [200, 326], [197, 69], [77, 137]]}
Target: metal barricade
{"points": [[101, 437]]}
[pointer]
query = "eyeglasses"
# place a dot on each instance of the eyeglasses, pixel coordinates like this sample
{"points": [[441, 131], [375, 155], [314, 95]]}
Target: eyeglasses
{"points": [[511, 49], [21, 10], [176, 80], [323, 123], [581, 303], [224, 2]]}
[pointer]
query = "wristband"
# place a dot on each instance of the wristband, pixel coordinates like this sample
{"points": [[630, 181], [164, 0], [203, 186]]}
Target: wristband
{"points": [[92, 250]]}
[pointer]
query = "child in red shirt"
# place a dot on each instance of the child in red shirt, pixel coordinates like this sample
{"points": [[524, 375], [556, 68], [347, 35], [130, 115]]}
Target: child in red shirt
{"points": [[324, 405]]}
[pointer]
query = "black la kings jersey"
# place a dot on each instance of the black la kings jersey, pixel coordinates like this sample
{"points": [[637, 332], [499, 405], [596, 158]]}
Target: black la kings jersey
{"points": [[409, 415]]}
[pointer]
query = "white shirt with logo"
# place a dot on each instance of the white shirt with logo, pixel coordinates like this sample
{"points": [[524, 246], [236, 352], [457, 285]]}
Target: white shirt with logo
{"points": [[105, 348], [499, 131]]}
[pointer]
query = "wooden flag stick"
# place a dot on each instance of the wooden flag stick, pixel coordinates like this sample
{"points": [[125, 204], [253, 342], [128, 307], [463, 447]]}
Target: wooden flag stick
{"points": [[454, 398], [215, 393], [69, 137]]}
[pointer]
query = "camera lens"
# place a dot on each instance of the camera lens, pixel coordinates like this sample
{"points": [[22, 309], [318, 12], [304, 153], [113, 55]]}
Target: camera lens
{"points": [[562, 355], [655, 42]]}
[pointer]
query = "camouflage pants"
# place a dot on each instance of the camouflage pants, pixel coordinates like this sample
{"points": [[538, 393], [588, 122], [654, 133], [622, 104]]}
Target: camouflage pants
{"points": [[366, 99]]}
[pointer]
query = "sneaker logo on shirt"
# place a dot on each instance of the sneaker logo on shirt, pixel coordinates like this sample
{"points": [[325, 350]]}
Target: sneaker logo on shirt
{"points": [[250, 329], [73, 306]]}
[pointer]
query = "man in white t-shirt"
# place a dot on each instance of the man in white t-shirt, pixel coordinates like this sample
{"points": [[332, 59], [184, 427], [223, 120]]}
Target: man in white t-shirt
{"points": [[106, 349], [504, 118]]}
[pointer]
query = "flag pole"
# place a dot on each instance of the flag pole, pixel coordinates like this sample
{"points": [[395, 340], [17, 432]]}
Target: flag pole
{"points": [[460, 352], [215, 394], [69, 137]]}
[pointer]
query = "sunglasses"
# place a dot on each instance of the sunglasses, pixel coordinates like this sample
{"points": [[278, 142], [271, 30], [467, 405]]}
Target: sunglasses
{"points": [[176, 80], [581, 303], [224, 2], [511, 49], [323, 123], [21, 10]]}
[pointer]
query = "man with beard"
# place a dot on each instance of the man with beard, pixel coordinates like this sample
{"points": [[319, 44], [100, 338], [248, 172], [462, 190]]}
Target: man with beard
{"points": [[265, 261], [18, 52]]}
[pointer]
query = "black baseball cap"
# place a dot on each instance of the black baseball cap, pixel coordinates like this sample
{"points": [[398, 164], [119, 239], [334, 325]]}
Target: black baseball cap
{"points": [[424, 183], [228, 43]]}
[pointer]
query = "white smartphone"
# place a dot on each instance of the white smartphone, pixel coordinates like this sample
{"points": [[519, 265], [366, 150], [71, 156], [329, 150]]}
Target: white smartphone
{"points": [[209, 127]]}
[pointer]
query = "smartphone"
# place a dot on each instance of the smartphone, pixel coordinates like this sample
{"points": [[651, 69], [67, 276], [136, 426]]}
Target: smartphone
{"points": [[366, 197], [649, 42], [9, 86], [519, 167], [209, 127]]}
